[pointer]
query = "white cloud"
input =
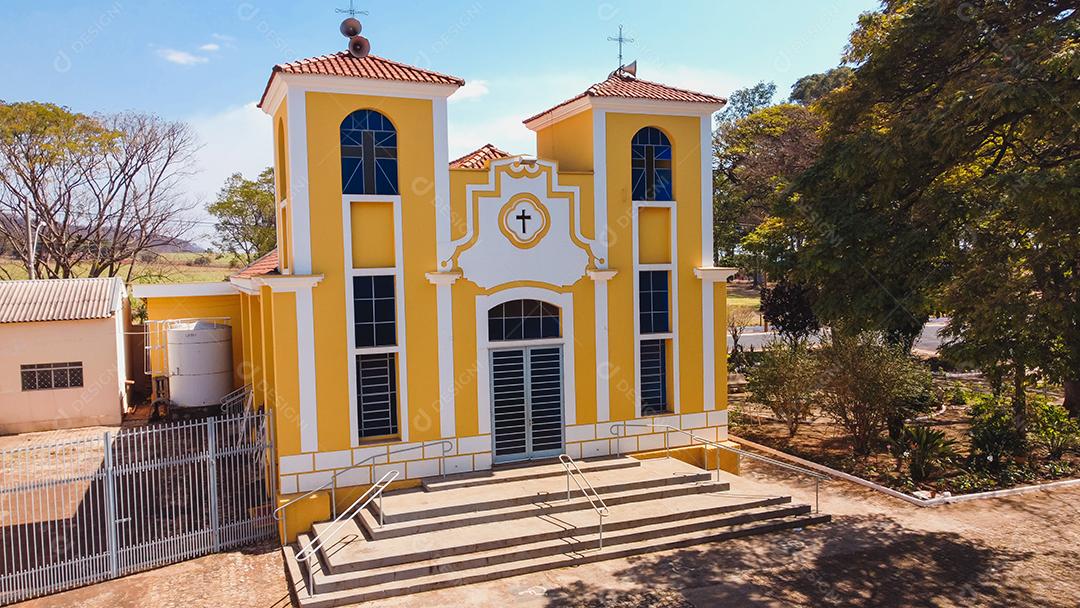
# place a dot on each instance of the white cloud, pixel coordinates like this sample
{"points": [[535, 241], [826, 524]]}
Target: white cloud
{"points": [[210, 46], [472, 90], [237, 139], [180, 57], [505, 132], [223, 37]]}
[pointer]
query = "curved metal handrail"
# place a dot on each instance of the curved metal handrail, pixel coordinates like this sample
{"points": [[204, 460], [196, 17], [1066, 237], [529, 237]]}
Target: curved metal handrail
{"points": [[316, 542], [818, 477], [602, 510], [332, 482]]}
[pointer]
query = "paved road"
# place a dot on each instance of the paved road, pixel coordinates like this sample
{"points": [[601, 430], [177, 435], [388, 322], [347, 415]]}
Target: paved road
{"points": [[928, 342]]}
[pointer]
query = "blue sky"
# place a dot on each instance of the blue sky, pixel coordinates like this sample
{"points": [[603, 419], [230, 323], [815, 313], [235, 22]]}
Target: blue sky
{"points": [[207, 62]]}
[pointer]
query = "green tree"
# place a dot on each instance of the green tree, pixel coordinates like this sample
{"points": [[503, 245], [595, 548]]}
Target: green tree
{"points": [[785, 380], [788, 307], [870, 386], [813, 87], [949, 165], [246, 216], [94, 192], [757, 156]]}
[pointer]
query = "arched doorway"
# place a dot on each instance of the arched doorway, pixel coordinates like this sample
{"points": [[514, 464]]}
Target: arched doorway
{"points": [[526, 379]]}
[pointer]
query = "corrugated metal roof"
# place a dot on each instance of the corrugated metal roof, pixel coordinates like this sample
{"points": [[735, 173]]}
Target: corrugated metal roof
{"points": [[59, 299]]}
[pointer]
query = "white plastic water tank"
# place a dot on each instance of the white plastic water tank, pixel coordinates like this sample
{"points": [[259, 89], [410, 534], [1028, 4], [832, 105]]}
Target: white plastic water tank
{"points": [[200, 363]]}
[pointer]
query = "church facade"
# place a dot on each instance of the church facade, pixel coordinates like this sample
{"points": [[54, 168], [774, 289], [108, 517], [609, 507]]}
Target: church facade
{"points": [[436, 316]]}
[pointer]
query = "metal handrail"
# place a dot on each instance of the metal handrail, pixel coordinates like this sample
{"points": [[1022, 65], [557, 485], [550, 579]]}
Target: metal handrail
{"points": [[332, 482], [818, 477], [602, 510], [316, 542]]}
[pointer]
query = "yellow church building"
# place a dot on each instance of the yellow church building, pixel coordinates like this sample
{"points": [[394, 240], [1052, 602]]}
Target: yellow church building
{"points": [[433, 316]]}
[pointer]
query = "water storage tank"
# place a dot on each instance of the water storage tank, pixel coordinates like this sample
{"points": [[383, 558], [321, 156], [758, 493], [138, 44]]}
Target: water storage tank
{"points": [[200, 363]]}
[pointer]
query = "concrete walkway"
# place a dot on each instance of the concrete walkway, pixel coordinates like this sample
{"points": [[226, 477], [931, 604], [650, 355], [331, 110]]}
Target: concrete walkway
{"points": [[1019, 551]]}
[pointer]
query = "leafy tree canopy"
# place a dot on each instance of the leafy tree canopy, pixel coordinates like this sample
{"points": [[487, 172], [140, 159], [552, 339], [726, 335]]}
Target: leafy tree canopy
{"points": [[246, 216], [813, 87]]}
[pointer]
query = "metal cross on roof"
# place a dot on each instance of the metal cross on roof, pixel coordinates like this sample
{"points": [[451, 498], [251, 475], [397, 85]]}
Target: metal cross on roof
{"points": [[620, 39], [351, 11]]}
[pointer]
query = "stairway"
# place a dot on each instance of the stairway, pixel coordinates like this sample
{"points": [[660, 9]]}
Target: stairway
{"points": [[477, 527]]}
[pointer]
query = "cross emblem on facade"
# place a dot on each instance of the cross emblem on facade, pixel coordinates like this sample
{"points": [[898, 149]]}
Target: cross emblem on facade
{"points": [[523, 217]]}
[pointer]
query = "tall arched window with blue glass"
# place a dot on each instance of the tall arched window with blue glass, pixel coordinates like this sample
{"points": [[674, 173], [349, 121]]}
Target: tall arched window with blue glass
{"points": [[650, 165], [651, 178], [369, 163]]}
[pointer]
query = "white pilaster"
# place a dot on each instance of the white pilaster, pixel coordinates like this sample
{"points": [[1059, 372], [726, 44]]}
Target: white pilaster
{"points": [[445, 319], [603, 365]]}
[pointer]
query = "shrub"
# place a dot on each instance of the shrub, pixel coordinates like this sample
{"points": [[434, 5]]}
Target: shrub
{"points": [[957, 397], [1052, 428], [993, 436], [925, 449], [201, 260], [785, 380], [868, 384]]}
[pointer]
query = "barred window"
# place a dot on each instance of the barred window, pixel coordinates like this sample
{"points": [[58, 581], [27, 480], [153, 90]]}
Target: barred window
{"points": [[374, 311], [42, 376], [376, 393], [653, 303], [654, 373]]}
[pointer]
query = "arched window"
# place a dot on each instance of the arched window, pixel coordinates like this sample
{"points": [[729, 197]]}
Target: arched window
{"points": [[523, 320], [650, 165], [368, 154], [283, 174]]}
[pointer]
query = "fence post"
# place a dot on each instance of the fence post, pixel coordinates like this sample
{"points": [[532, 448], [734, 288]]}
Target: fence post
{"points": [[211, 440], [111, 540]]}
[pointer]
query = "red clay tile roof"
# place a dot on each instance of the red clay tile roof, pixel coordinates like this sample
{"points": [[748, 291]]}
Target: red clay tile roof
{"points": [[478, 159], [59, 299], [267, 264], [628, 87], [372, 66]]}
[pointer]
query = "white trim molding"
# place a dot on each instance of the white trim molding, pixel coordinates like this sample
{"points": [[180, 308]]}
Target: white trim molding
{"points": [[183, 290], [715, 274], [565, 302], [710, 276]]}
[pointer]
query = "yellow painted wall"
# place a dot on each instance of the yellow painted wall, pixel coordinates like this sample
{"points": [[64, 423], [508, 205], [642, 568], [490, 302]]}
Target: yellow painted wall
{"points": [[281, 146], [253, 363], [568, 142], [684, 133], [266, 302], [159, 309], [373, 235], [286, 374], [413, 120], [654, 235]]}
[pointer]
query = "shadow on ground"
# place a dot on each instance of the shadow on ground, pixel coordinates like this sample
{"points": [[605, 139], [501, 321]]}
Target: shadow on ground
{"points": [[855, 561]]}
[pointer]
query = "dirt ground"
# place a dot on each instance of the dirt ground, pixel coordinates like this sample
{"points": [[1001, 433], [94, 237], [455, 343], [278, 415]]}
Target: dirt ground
{"points": [[1016, 551]]}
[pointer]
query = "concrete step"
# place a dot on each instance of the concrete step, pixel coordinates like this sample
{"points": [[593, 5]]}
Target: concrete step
{"points": [[516, 508], [524, 471], [336, 590], [347, 551], [415, 505]]}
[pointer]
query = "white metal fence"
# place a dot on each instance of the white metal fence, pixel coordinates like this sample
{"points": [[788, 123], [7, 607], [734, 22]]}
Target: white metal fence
{"points": [[86, 510]]}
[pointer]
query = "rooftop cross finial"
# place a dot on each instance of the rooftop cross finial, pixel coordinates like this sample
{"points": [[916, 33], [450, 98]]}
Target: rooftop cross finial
{"points": [[351, 11], [620, 39]]}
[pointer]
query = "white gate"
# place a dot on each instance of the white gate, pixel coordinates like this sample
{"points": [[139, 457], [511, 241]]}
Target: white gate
{"points": [[87, 510]]}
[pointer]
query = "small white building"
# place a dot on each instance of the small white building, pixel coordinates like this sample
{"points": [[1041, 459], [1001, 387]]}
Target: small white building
{"points": [[63, 359]]}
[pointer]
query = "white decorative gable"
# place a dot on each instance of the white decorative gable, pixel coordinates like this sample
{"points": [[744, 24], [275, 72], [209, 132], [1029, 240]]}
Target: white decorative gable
{"points": [[522, 226]]}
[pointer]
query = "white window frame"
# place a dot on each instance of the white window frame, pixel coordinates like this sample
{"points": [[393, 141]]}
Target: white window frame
{"points": [[397, 271], [673, 290]]}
